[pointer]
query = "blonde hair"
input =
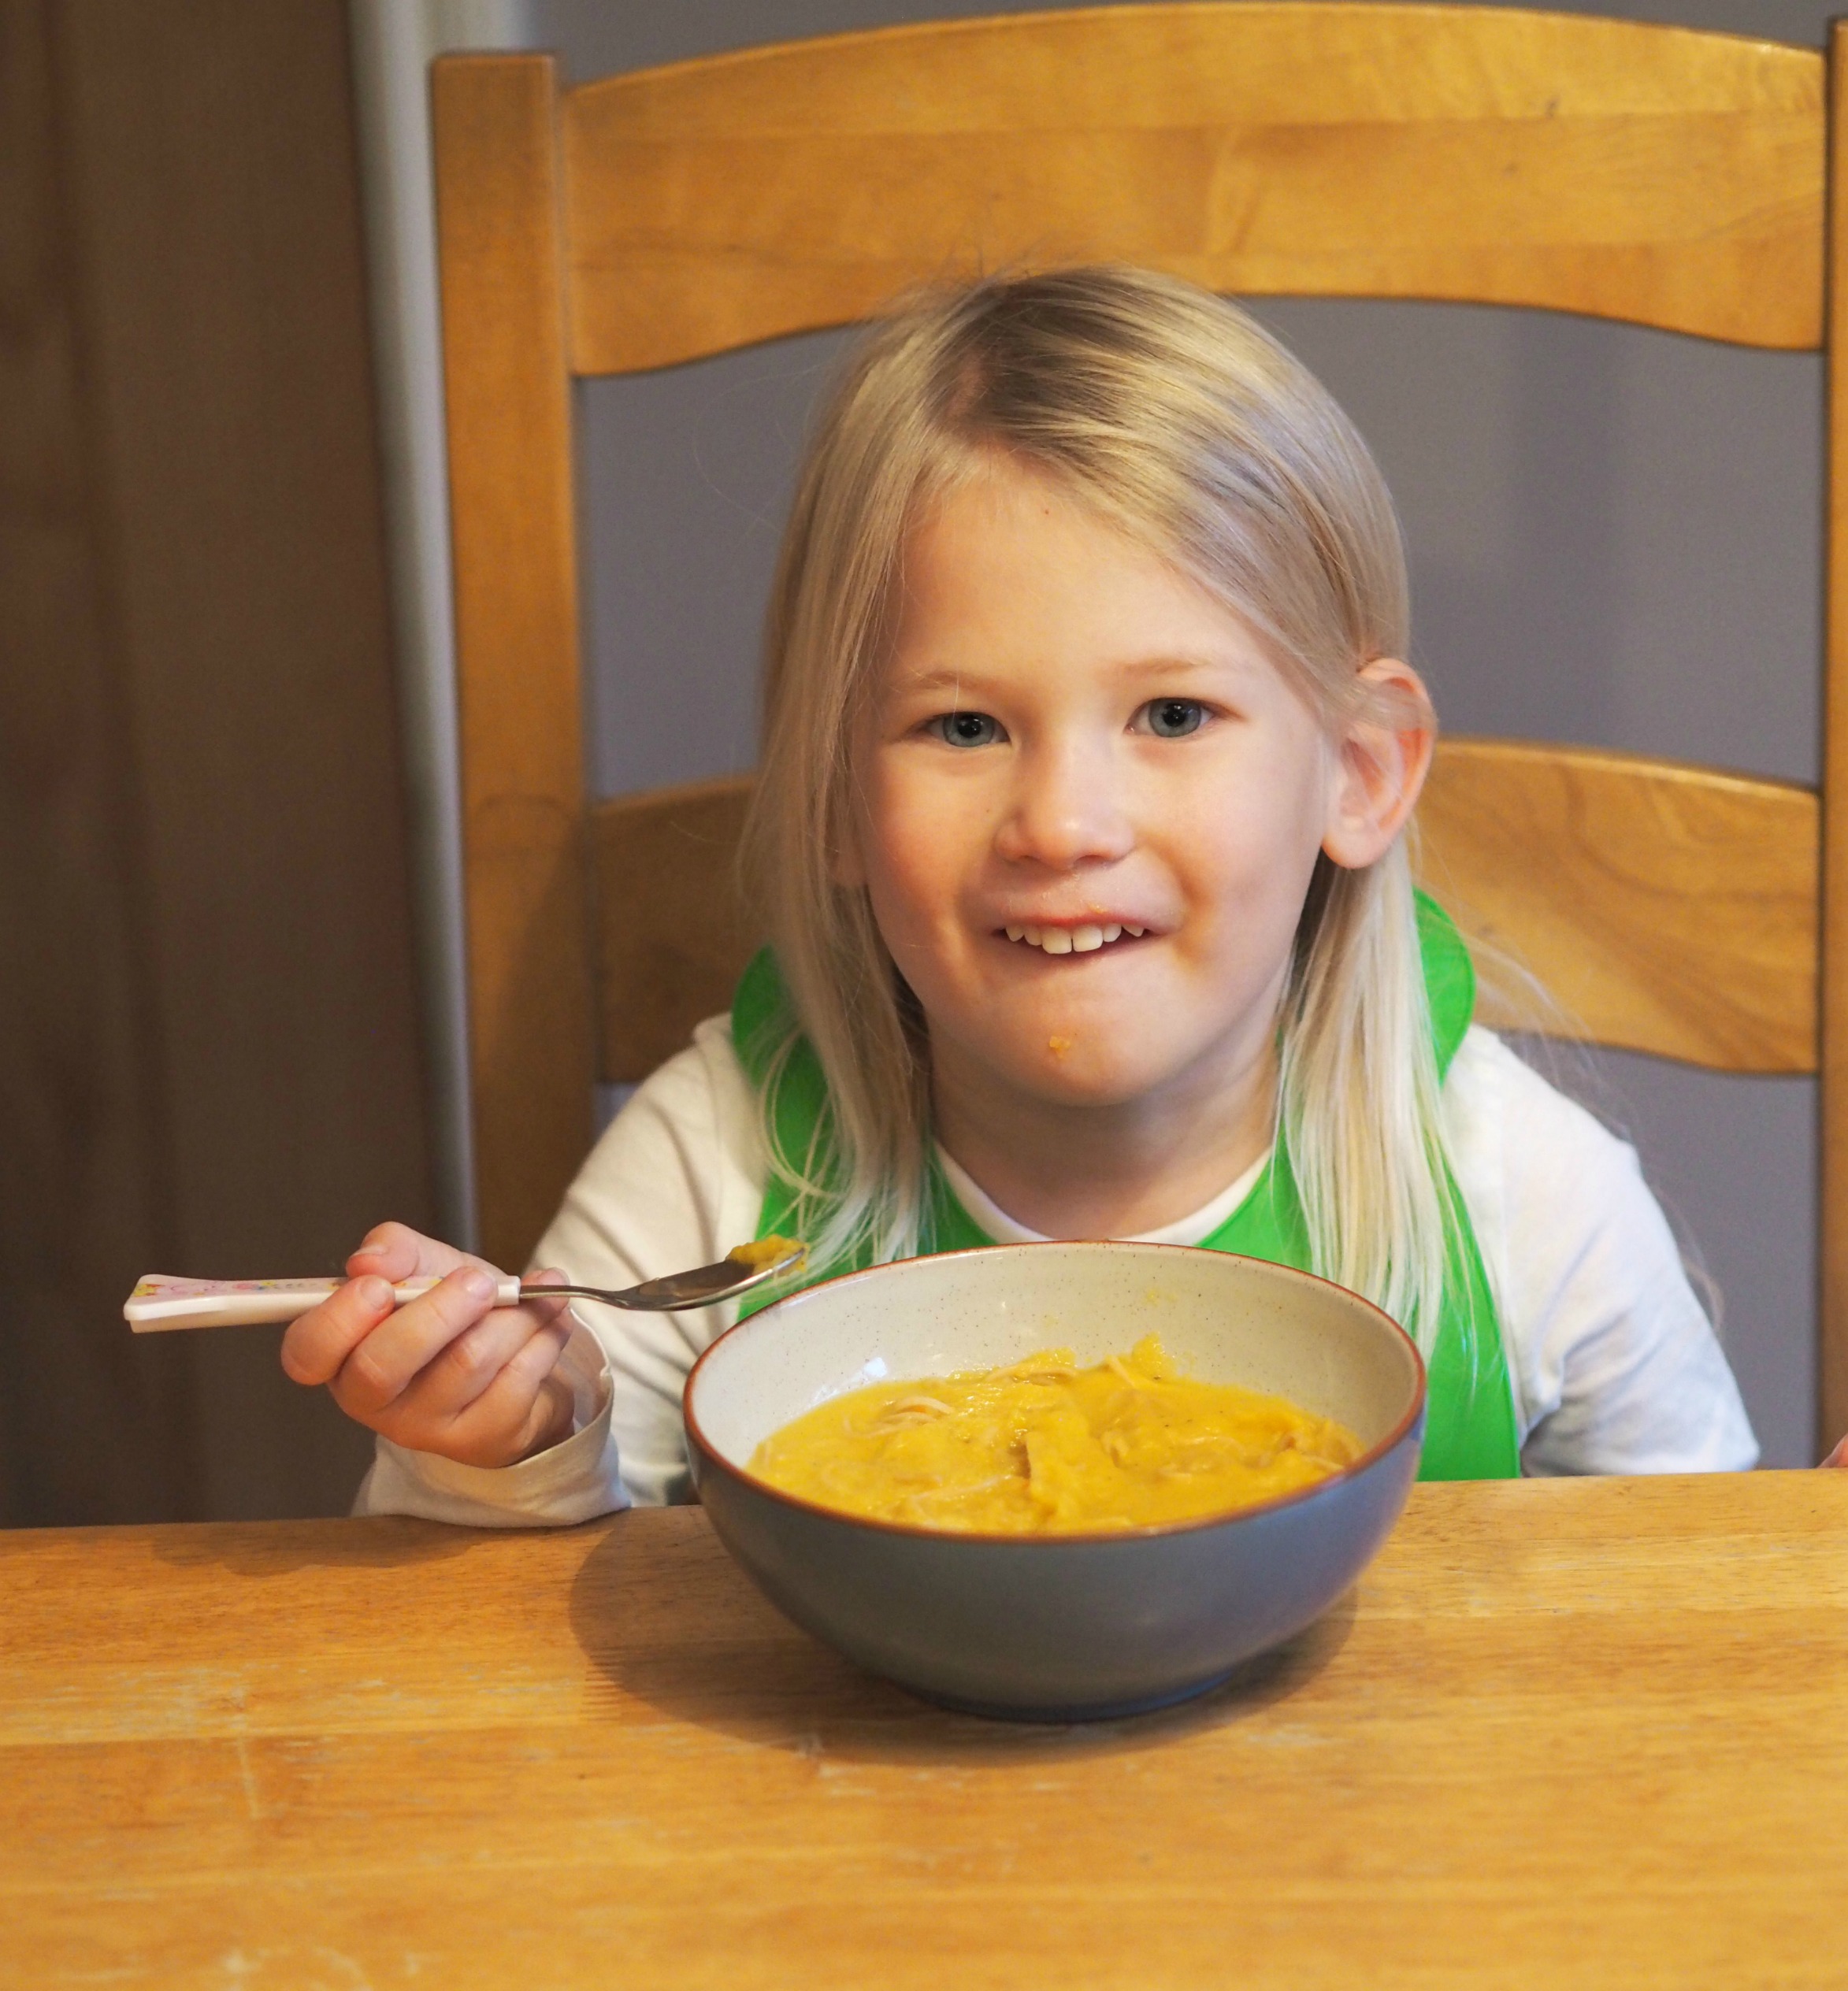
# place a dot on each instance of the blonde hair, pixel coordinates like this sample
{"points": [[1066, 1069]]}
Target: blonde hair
{"points": [[1176, 418]]}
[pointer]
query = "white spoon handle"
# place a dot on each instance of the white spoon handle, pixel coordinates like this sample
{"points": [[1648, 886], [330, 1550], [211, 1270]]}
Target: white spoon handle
{"points": [[159, 1302]]}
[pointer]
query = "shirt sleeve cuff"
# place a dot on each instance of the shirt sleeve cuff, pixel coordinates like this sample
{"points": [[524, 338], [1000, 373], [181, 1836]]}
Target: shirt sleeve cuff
{"points": [[575, 1480]]}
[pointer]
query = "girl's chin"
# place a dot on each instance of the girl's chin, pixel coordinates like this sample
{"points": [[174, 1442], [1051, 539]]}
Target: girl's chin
{"points": [[1062, 1069]]}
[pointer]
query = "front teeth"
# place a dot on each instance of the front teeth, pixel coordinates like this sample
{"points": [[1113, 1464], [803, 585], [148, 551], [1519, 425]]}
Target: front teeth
{"points": [[1072, 939]]}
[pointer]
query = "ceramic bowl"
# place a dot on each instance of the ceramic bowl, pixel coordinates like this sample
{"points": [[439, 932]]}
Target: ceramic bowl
{"points": [[1060, 1627]]}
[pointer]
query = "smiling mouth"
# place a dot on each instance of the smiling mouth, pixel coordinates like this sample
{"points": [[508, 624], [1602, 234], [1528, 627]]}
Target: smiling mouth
{"points": [[1073, 939]]}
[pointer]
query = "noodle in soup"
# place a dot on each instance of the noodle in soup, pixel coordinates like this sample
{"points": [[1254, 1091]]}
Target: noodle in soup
{"points": [[1045, 1447]]}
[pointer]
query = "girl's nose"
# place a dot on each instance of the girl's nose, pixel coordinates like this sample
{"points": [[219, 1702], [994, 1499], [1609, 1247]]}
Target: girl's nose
{"points": [[1066, 810]]}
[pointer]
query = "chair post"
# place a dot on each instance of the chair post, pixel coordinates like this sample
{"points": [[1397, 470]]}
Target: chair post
{"points": [[1833, 1118], [510, 484]]}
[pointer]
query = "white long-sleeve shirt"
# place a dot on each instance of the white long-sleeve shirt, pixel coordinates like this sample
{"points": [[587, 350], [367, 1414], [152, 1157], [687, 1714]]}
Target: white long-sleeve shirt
{"points": [[1614, 1367]]}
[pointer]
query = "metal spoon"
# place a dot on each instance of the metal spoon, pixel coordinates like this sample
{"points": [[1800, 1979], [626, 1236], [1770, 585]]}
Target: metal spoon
{"points": [[159, 1302]]}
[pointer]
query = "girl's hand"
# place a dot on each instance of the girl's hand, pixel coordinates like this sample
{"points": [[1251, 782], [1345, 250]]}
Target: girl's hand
{"points": [[449, 1372], [1839, 1456]]}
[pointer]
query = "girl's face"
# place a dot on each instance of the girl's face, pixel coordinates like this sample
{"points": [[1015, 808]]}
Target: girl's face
{"points": [[1090, 806]]}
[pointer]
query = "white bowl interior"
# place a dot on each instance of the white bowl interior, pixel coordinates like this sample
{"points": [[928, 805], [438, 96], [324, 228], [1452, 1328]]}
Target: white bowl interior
{"points": [[1225, 1319]]}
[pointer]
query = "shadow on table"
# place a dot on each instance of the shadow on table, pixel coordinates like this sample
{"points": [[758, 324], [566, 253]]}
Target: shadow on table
{"points": [[281, 1547], [710, 1649]]}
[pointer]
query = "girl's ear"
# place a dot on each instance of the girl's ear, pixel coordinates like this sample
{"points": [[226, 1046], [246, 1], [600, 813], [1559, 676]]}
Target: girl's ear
{"points": [[1384, 756]]}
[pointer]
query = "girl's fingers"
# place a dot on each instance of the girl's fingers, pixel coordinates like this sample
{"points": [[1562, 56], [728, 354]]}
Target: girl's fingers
{"points": [[483, 1414], [320, 1341], [548, 1276], [396, 1251], [525, 1409], [1839, 1455], [447, 1372], [380, 1365], [474, 1361]]}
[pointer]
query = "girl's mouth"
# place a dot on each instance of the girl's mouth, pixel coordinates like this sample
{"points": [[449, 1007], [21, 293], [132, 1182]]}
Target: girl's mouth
{"points": [[1074, 939]]}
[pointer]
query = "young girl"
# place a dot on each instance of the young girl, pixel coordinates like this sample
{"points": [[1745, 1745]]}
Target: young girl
{"points": [[1089, 750]]}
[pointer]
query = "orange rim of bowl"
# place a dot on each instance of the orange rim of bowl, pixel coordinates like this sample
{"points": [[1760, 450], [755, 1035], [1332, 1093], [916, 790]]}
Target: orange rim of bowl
{"points": [[1145, 1532]]}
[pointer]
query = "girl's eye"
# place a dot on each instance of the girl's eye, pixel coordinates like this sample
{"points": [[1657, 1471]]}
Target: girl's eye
{"points": [[1174, 719], [965, 728]]}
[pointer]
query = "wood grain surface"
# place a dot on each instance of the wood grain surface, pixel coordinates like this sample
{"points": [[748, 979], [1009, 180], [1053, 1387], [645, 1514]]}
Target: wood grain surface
{"points": [[1627, 170], [673, 933], [1662, 908], [1832, 1105], [530, 1028], [1564, 1733]]}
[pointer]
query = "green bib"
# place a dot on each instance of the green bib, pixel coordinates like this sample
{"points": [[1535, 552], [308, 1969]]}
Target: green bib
{"points": [[1469, 1428]]}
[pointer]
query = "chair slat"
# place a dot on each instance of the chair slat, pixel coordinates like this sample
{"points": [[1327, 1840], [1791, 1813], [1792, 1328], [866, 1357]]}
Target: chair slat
{"points": [[1832, 1216], [1614, 168], [672, 936], [530, 1014], [1667, 908]]}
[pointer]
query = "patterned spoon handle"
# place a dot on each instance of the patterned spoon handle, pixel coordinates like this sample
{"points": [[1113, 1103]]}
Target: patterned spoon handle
{"points": [[159, 1302]]}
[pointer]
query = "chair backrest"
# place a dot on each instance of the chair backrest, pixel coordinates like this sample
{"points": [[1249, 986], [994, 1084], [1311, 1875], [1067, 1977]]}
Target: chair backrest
{"points": [[1653, 175]]}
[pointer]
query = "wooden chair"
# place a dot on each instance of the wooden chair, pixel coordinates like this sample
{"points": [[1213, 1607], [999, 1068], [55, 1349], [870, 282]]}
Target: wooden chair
{"points": [[1653, 175]]}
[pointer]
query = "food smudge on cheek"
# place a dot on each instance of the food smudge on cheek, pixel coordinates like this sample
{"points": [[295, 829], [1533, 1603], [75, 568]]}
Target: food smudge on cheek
{"points": [[1058, 1046]]}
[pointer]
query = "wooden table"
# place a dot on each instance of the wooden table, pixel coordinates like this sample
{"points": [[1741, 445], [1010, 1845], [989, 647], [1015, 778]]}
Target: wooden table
{"points": [[1575, 1732]]}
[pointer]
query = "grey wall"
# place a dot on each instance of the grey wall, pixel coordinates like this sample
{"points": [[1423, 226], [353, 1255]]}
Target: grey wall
{"points": [[1615, 538]]}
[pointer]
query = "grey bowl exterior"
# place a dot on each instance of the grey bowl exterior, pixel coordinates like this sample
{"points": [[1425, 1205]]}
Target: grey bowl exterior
{"points": [[1066, 1627]]}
